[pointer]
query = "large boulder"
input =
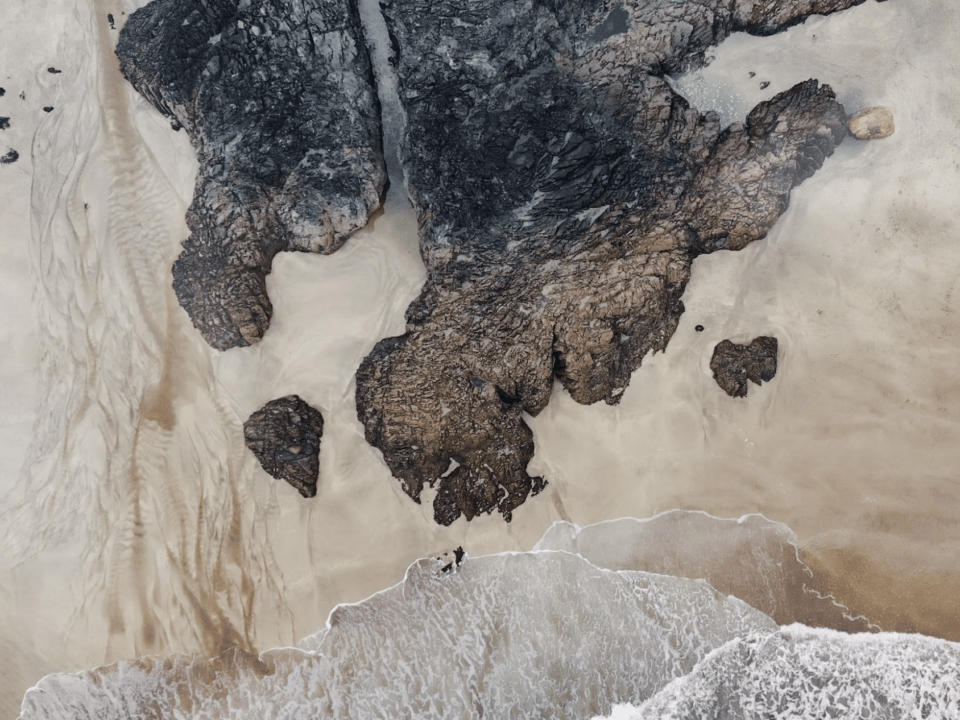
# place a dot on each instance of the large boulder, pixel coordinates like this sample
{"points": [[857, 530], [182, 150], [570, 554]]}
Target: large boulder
{"points": [[563, 190], [279, 101], [734, 365], [284, 435]]}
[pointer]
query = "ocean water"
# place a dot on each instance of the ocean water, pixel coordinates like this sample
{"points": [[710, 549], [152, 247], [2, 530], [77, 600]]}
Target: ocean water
{"points": [[138, 536], [539, 634], [803, 673]]}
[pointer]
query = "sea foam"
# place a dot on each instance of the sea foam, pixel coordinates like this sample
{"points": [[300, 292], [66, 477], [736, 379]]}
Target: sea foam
{"points": [[511, 635]]}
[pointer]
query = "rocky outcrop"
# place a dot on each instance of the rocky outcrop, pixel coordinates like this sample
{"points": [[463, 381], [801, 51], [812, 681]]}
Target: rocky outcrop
{"points": [[11, 156], [284, 435], [733, 365], [563, 190], [873, 123], [278, 99]]}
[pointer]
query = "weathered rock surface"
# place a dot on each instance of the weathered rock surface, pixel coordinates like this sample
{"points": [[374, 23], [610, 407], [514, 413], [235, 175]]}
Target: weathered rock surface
{"points": [[11, 156], [872, 123], [284, 435], [563, 190], [733, 365], [278, 99]]}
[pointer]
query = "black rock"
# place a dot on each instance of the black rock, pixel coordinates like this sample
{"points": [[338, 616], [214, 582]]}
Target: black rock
{"points": [[54, 71], [48, 108], [11, 157], [110, 20], [733, 365], [4, 123], [284, 435], [2, 92], [563, 190], [699, 328], [278, 99], [765, 84]]}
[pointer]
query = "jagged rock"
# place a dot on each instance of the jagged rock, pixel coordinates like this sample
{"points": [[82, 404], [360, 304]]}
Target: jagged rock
{"points": [[278, 99], [873, 123], [4, 123], [284, 435], [733, 365], [11, 156], [563, 190]]}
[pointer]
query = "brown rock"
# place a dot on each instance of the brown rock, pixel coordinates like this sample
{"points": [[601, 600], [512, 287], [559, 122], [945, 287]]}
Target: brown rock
{"points": [[563, 190], [284, 435], [733, 365]]}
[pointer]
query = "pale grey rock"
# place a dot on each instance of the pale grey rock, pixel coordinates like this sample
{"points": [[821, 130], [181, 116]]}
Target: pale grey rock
{"points": [[873, 123]]}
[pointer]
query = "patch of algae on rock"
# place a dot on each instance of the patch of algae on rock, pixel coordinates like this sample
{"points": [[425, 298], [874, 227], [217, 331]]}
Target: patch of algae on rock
{"points": [[563, 190], [278, 99]]}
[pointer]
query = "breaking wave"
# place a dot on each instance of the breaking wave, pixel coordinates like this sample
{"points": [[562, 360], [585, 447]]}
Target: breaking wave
{"points": [[550, 634]]}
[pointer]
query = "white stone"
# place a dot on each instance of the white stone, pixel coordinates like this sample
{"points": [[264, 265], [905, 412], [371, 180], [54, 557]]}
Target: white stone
{"points": [[872, 123]]}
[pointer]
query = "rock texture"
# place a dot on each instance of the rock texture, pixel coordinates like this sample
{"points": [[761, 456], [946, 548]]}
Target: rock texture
{"points": [[278, 99], [872, 123], [284, 435], [563, 190], [733, 365]]}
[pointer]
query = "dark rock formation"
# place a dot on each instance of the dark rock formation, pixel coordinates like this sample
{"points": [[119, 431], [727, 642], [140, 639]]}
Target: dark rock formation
{"points": [[278, 99], [48, 109], [284, 435], [10, 157], [733, 364], [563, 190], [4, 123], [2, 92]]}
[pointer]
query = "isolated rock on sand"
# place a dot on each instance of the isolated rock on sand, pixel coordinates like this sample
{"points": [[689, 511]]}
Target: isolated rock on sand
{"points": [[11, 156], [733, 365], [872, 124], [278, 100], [284, 435], [563, 190]]}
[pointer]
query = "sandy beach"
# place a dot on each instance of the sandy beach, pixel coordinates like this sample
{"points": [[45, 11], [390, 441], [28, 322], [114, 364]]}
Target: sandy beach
{"points": [[137, 523]]}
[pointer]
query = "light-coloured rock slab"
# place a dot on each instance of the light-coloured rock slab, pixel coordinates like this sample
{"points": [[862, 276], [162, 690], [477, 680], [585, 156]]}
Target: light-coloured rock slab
{"points": [[873, 123]]}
